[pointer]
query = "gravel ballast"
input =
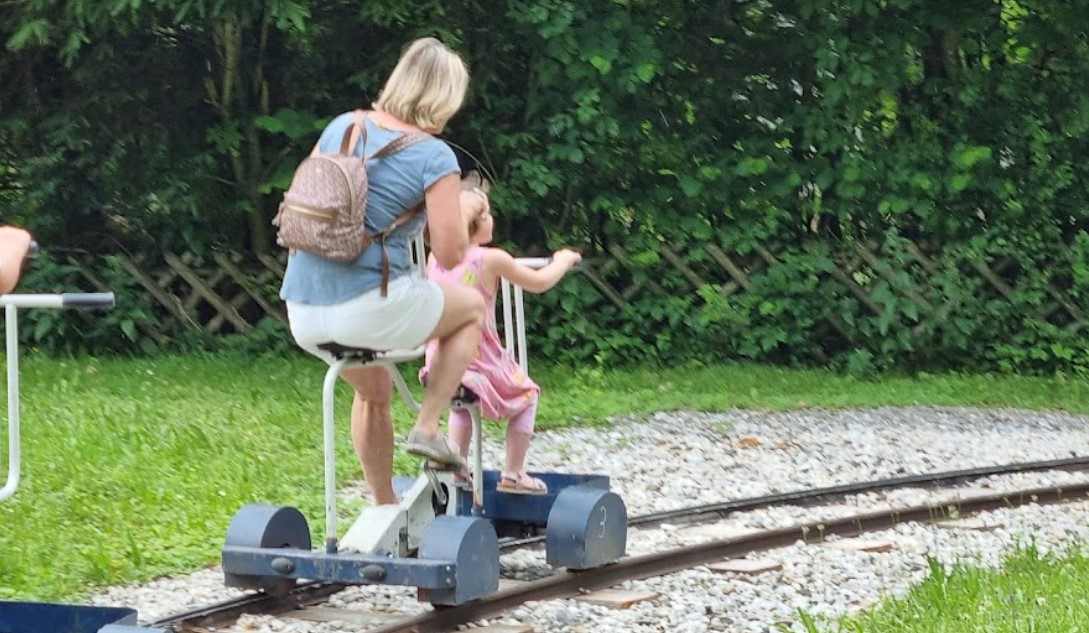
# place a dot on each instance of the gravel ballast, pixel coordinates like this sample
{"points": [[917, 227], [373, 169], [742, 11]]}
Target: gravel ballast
{"points": [[679, 459]]}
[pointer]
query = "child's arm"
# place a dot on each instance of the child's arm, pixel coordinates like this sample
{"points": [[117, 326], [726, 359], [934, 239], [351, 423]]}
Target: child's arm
{"points": [[500, 263]]}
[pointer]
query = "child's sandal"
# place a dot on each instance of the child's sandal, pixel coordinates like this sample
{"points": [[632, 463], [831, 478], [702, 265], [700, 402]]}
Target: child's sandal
{"points": [[521, 484]]}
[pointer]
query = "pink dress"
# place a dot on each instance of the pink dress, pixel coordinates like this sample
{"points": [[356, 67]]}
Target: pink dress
{"points": [[493, 375]]}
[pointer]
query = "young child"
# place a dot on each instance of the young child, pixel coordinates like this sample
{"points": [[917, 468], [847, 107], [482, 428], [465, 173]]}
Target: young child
{"points": [[504, 390]]}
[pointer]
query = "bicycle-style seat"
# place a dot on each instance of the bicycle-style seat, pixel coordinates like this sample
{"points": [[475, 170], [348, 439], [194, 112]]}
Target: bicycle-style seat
{"points": [[465, 395], [366, 355], [340, 352]]}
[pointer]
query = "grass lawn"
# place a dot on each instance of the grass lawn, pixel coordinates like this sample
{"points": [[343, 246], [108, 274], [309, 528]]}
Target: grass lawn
{"points": [[1038, 593], [133, 468]]}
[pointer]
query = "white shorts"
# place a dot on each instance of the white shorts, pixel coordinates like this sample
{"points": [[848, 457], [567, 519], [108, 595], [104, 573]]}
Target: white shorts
{"points": [[402, 320]]}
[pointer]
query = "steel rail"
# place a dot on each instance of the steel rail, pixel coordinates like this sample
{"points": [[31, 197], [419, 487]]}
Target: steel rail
{"points": [[312, 592], [813, 496], [568, 584], [216, 614]]}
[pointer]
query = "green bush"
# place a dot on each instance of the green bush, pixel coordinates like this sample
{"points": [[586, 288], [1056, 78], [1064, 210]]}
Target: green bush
{"points": [[808, 129]]}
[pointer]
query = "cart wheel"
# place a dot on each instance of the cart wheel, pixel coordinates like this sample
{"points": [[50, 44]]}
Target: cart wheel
{"points": [[587, 528], [269, 527], [472, 548]]}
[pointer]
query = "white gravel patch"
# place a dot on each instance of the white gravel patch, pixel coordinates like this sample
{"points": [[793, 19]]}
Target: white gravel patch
{"points": [[680, 459]]}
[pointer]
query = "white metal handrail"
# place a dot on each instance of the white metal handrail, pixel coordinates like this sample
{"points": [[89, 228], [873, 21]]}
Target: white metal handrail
{"points": [[514, 314], [11, 304]]}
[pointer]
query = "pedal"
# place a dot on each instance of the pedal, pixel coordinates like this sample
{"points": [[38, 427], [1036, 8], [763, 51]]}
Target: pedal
{"points": [[433, 479], [463, 477]]}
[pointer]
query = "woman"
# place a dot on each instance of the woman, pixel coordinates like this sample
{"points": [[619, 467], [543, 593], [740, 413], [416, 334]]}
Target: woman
{"points": [[342, 302]]}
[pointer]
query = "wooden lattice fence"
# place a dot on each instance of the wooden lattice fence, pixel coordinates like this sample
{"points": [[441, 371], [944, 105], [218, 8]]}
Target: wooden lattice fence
{"points": [[222, 294], [228, 293], [859, 268]]}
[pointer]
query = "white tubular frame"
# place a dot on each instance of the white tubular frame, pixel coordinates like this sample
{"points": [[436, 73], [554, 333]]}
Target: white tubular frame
{"points": [[10, 315], [11, 305], [419, 255], [514, 313], [386, 360]]}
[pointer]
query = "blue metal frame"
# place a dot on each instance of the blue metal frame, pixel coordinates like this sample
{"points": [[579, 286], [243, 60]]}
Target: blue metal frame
{"points": [[347, 568], [47, 617], [587, 528], [458, 558], [586, 525], [525, 510]]}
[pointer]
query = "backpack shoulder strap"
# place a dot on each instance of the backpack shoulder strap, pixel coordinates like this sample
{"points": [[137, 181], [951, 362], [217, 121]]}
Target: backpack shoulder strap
{"points": [[381, 238], [401, 142], [353, 134], [401, 219]]}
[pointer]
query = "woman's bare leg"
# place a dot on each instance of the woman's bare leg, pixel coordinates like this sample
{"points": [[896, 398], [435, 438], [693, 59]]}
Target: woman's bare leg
{"points": [[372, 429], [458, 333]]}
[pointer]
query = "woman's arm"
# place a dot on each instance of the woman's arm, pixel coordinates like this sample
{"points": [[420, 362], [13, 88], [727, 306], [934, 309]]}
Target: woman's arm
{"points": [[500, 263], [449, 235], [14, 244]]}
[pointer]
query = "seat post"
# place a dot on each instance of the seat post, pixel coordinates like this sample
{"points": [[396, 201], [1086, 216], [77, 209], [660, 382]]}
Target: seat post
{"points": [[399, 384], [344, 356], [478, 460], [329, 435]]}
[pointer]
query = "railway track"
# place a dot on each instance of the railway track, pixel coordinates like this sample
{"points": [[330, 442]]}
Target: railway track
{"points": [[569, 584]]}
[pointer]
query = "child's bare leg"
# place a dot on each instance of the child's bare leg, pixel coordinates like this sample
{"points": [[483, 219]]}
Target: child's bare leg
{"points": [[461, 429], [517, 447], [519, 435]]}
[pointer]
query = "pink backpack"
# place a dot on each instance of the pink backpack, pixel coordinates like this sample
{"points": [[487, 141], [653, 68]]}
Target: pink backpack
{"points": [[323, 209]]}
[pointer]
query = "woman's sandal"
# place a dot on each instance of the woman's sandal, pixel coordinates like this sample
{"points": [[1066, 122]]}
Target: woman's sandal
{"points": [[521, 484], [437, 449]]}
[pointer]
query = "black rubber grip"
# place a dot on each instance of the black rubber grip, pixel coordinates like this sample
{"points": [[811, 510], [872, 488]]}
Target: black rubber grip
{"points": [[88, 300]]}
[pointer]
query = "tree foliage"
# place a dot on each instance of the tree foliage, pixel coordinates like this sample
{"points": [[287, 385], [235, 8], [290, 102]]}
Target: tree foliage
{"points": [[175, 124]]}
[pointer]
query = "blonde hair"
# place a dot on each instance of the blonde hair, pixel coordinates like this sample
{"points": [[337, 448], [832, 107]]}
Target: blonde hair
{"points": [[427, 87], [474, 186]]}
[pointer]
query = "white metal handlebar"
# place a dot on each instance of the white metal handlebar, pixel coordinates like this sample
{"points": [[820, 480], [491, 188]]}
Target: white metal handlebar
{"points": [[11, 304]]}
